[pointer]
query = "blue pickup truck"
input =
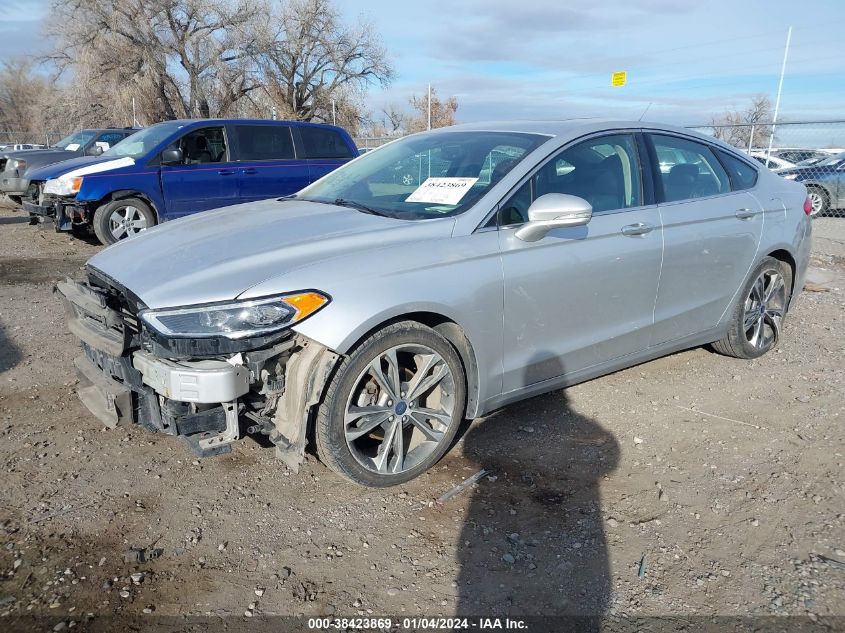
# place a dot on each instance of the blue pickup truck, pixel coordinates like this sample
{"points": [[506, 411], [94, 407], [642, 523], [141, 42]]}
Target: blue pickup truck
{"points": [[176, 168]]}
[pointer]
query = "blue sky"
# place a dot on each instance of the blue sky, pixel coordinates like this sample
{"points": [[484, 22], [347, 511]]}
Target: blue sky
{"points": [[545, 59]]}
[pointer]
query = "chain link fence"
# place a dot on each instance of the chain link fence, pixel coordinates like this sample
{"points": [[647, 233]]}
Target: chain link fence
{"points": [[809, 152]]}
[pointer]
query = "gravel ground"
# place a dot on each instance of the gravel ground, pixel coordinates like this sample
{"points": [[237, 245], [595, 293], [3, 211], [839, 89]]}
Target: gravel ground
{"points": [[690, 485]]}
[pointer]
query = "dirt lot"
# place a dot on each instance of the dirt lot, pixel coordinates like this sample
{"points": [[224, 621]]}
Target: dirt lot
{"points": [[691, 485]]}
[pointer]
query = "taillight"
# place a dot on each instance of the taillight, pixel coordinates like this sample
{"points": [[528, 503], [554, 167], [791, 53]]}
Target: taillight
{"points": [[808, 205]]}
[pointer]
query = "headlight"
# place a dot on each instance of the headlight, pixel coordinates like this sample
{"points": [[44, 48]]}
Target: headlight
{"points": [[63, 186], [235, 320], [790, 176]]}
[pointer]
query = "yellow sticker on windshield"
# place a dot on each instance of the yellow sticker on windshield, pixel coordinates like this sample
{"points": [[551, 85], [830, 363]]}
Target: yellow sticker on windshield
{"points": [[619, 78], [442, 190]]}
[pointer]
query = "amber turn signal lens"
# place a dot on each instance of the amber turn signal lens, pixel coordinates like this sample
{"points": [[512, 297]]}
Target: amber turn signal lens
{"points": [[305, 304]]}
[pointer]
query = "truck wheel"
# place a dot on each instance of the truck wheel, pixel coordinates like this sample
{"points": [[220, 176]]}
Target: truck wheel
{"points": [[393, 407], [121, 219]]}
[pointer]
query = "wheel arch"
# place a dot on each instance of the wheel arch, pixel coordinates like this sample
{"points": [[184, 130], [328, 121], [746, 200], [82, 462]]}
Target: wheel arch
{"points": [[452, 332], [784, 256], [122, 194]]}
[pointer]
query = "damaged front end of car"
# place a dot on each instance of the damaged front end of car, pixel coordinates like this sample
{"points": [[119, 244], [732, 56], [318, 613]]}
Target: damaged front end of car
{"points": [[208, 374]]}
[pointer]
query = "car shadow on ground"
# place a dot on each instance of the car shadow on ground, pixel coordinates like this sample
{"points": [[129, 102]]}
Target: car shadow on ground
{"points": [[10, 355], [533, 542]]}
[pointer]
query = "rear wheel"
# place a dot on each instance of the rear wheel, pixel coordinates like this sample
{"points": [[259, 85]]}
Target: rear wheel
{"points": [[819, 200], [121, 219], [757, 318], [393, 407]]}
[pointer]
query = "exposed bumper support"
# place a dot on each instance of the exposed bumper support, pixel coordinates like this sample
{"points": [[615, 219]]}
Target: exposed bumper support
{"points": [[108, 400], [201, 381]]}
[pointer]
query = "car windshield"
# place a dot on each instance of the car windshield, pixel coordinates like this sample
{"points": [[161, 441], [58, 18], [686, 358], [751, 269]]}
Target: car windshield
{"points": [[833, 160], [76, 140], [426, 176], [142, 142]]}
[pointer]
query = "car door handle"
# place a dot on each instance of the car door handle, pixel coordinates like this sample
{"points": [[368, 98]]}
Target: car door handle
{"points": [[745, 214], [250, 171], [225, 172], [640, 228]]}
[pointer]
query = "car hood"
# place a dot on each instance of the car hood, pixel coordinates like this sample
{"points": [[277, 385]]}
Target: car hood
{"points": [[83, 164], [39, 157], [220, 254]]}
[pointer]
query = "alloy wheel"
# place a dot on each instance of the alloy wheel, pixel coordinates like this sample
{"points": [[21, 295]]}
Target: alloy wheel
{"points": [[764, 309], [126, 222], [816, 202], [400, 409]]}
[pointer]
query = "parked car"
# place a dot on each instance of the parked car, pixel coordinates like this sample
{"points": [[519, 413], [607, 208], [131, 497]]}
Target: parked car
{"points": [[177, 168], [372, 319], [16, 147], [774, 163], [14, 181], [825, 182], [796, 155]]}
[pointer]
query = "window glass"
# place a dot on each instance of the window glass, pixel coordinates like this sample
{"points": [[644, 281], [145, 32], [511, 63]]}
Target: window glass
{"points": [[206, 145], [111, 138], [144, 141], [743, 175], [264, 142], [604, 171], [688, 169], [389, 181], [320, 142]]}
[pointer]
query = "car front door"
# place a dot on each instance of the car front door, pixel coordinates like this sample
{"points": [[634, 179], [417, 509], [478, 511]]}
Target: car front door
{"points": [[711, 232], [267, 163], [581, 296], [205, 179]]}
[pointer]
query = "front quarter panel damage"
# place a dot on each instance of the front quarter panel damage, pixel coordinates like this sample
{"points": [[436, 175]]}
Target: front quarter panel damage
{"points": [[306, 375]]}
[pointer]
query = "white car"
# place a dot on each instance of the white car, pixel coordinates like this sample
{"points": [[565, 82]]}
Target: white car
{"points": [[774, 163]]}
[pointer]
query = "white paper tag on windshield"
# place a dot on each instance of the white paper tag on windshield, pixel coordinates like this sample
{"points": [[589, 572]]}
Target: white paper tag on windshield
{"points": [[72, 147], [442, 190]]}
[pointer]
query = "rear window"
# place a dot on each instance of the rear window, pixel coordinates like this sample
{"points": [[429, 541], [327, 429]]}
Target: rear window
{"points": [[264, 142], [320, 142], [743, 175]]}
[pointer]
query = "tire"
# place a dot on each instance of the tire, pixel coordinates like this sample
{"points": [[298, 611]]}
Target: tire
{"points": [[369, 456], [120, 219], [819, 199], [757, 318]]}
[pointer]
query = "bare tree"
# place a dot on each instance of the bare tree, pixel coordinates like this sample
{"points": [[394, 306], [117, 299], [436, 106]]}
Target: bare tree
{"points": [[442, 112], [180, 58], [21, 93], [309, 59], [737, 126]]}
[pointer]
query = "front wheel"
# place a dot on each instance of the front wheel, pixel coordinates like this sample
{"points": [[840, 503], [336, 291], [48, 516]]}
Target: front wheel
{"points": [[121, 219], [757, 318], [393, 407]]}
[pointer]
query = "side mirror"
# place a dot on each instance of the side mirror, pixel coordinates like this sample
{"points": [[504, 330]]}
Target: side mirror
{"points": [[94, 150], [171, 156], [554, 211]]}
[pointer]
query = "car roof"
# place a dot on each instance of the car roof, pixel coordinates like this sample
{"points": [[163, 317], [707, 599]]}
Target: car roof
{"points": [[249, 121], [566, 127]]}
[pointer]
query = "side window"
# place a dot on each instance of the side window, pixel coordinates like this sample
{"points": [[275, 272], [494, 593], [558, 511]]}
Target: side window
{"points": [[206, 145], [743, 175], [320, 142], [604, 171], [688, 169], [264, 142]]}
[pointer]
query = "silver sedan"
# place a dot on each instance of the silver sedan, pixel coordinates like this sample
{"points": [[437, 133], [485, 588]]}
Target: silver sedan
{"points": [[369, 316]]}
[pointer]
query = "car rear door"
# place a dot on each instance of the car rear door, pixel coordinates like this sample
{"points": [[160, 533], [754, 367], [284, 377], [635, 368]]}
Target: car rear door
{"points": [[205, 179], [711, 232], [267, 164], [581, 296], [325, 149]]}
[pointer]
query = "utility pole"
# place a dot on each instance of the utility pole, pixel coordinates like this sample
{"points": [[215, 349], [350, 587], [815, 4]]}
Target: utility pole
{"points": [[780, 89], [429, 106]]}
